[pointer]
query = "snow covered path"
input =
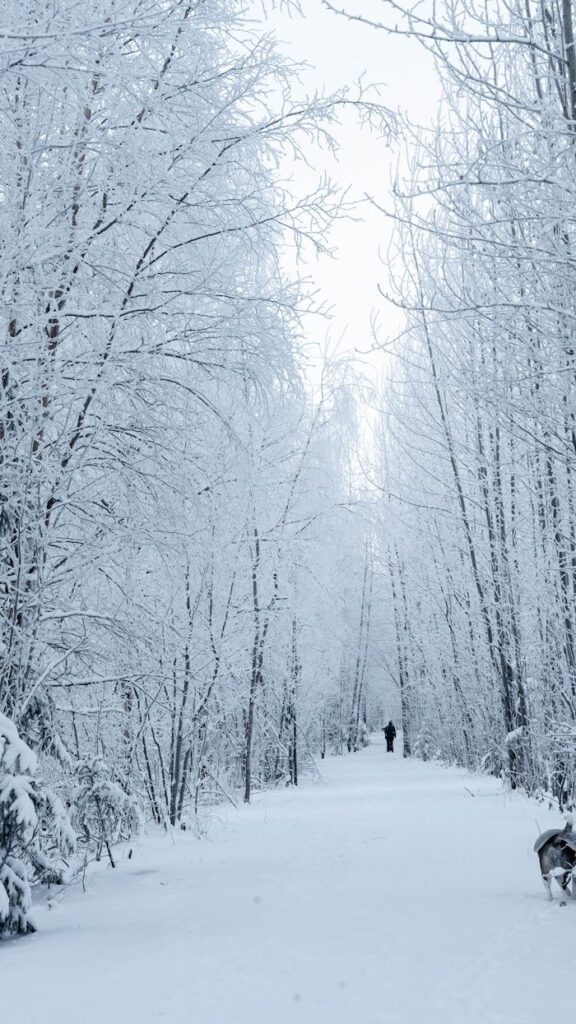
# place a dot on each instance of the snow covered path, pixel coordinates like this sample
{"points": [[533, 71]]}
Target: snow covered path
{"points": [[394, 891]]}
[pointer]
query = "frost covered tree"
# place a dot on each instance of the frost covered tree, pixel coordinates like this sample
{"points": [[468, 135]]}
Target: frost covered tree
{"points": [[140, 264], [477, 467], [35, 832], [169, 504], [268, 612], [104, 814]]}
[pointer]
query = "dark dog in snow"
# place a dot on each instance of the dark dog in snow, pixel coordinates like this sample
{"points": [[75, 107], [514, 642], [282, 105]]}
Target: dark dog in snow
{"points": [[556, 851]]}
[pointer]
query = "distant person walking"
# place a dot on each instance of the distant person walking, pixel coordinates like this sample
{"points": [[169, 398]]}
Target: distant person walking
{"points": [[390, 734]]}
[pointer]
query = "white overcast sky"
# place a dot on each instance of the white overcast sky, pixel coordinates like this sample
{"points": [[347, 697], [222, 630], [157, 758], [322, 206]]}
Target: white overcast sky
{"points": [[337, 53]]}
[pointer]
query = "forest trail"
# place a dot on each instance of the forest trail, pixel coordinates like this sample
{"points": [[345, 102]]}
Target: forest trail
{"points": [[392, 891]]}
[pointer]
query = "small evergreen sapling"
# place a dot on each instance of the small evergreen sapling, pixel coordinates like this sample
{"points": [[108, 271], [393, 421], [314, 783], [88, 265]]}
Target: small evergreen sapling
{"points": [[105, 814], [35, 832]]}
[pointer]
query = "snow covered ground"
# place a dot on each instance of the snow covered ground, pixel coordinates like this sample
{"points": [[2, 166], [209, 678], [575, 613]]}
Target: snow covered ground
{"points": [[393, 891]]}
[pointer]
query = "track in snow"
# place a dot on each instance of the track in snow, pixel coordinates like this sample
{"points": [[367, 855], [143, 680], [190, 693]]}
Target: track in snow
{"points": [[393, 891]]}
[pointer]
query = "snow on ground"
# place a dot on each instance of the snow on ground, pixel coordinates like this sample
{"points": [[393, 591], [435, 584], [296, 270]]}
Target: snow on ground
{"points": [[393, 891]]}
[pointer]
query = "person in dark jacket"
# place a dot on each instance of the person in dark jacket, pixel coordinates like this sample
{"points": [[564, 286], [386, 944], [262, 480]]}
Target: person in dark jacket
{"points": [[390, 734]]}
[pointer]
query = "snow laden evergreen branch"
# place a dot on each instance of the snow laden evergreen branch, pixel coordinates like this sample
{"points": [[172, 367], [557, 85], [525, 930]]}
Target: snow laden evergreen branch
{"points": [[35, 832]]}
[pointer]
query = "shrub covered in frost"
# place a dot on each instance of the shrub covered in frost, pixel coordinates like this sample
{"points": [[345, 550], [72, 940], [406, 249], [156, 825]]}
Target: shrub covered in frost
{"points": [[104, 813], [35, 832]]}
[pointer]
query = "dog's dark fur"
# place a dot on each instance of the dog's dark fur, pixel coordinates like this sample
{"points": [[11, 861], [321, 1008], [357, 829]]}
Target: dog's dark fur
{"points": [[557, 856]]}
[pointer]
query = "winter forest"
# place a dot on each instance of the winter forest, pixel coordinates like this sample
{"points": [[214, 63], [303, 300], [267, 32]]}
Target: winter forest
{"points": [[229, 550]]}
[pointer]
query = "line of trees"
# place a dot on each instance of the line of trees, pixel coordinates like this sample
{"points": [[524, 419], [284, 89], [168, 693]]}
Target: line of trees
{"points": [[478, 437], [185, 589]]}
